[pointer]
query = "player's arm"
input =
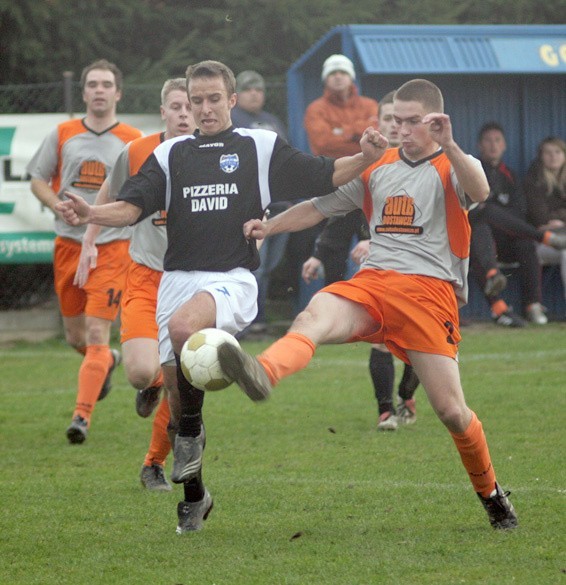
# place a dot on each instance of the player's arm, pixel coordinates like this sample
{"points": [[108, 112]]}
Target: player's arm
{"points": [[43, 191], [471, 177], [89, 252], [296, 218], [76, 211], [347, 168]]}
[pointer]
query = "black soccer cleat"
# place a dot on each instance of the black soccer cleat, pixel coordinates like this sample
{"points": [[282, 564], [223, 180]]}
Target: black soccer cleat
{"points": [[107, 386], [245, 370], [146, 400], [500, 510], [77, 430]]}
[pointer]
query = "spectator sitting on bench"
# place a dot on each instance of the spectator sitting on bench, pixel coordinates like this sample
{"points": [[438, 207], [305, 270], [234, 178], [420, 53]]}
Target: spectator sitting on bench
{"points": [[545, 192], [501, 233]]}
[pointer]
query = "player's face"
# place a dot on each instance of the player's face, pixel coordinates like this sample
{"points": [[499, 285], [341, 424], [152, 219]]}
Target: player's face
{"points": [[414, 136], [387, 125], [251, 100], [210, 104], [492, 146], [177, 114], [553, 157], [100, 93]]}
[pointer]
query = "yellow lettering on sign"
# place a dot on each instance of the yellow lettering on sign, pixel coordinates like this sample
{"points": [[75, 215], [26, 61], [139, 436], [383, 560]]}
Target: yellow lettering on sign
{"points": [[548, 55]]}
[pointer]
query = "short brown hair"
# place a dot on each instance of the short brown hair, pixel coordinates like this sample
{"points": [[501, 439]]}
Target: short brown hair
{"points": [[106, 66], [422, 91], [213, 69], [178, 83]]}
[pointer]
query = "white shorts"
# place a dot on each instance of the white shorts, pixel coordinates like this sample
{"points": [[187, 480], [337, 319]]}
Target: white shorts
{"points": [[234, 292]]}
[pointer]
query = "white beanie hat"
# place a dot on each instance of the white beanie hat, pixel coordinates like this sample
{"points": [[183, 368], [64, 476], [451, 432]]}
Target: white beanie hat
{"points": [[338, 63]]}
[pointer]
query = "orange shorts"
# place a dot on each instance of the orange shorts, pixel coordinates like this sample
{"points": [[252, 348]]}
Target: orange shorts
{"points": [[102, 293], [139, 303], [417, 313]]}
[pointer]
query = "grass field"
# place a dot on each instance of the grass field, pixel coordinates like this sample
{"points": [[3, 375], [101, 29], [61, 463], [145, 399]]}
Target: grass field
{"points": [[306, 491]]}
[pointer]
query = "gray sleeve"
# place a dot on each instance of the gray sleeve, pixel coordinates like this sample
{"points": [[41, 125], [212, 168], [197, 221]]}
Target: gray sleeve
{"points": [[43, 164], [342, 201], [119, 174]]}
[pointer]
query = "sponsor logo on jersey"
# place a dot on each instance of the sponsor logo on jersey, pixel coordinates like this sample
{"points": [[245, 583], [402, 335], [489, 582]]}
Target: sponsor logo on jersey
{"points": [[209, 197], [91, 175], [398, 216], [212, 145], [229, 162]]}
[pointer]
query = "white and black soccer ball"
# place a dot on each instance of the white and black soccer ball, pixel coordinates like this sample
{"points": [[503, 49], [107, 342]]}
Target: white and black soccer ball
{"points": [[199, 359]]}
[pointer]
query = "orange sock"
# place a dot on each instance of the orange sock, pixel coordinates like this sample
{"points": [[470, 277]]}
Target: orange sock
{"points": [[92, 373], [159, 445], [474, 452], [546, 237], [286, 356], [499, 307], [491, 272], [158, 382]]}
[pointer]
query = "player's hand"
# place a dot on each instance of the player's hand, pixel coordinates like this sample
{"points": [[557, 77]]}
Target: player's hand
{"points": [[87, 262], [360, 252], [311, 269], [255, 229], [439, 128], [74, 210], [373, 144]]}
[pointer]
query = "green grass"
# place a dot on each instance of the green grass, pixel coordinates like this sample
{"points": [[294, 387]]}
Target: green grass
{"points": [[306, 491]]}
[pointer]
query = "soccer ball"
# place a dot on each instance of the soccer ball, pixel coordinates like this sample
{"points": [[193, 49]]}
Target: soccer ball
{"points": [[199, 359]]}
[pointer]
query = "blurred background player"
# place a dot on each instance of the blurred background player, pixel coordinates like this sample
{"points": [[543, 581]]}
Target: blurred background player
{"points": [[148, 244], [77, 156], [332, 247], [249, 113]]}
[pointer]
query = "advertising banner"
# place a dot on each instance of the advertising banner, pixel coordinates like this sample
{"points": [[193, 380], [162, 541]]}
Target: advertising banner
{"points": [[26, 227]]}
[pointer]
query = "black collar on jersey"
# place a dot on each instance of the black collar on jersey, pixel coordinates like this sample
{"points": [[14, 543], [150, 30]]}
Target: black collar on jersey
{"points": [[207, 138], [420, 161], [99, 133]]}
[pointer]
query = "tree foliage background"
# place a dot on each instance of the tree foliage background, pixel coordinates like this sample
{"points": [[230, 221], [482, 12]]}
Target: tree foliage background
{"points": [[152, 40]]}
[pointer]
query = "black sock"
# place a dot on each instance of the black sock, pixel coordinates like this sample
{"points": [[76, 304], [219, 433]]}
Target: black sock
{"points": [[191, 400], [194, 489], [409, 383], [383, 377]]}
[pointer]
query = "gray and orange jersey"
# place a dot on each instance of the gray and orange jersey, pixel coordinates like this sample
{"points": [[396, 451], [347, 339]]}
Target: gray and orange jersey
{"points": [[74, 158], [149, 237], [417, 214]]}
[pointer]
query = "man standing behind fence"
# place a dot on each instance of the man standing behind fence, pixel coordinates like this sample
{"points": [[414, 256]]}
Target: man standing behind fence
{"points": [[77, 156]]}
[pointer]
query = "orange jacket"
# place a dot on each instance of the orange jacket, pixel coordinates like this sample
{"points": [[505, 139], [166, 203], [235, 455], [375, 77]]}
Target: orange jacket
{"points": [[334, 127]]}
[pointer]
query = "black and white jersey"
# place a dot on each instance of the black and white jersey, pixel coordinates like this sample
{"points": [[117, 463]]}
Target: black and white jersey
{"points": [[210, 186]]}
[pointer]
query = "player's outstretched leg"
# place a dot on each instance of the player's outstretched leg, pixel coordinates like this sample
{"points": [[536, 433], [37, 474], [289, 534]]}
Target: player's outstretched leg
{"points": [[245, 370], [192, 514]]}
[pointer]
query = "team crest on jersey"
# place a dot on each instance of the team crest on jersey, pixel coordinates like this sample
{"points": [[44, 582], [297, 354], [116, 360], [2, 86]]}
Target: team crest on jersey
{"points": [[229, 162]]}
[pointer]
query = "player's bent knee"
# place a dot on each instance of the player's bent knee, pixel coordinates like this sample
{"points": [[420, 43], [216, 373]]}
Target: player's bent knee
{"points": [[140, 377], [456, 419]]}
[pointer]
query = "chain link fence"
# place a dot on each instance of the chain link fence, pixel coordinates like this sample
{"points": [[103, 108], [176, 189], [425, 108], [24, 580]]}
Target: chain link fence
{"points": [[29, 285]]}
